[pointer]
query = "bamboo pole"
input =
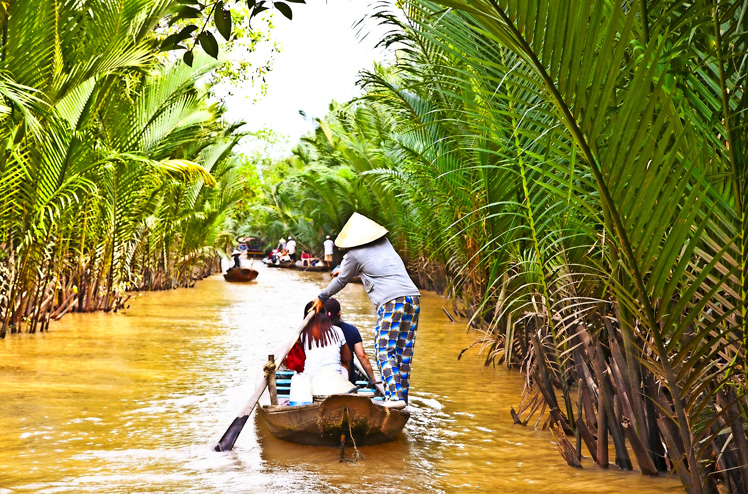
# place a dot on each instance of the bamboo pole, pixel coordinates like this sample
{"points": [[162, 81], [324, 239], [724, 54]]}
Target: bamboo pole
{"points": [[581, 427], [655, 442], [271, 380], [564, 447], [727, 399], [606, 397], [602, 437]]}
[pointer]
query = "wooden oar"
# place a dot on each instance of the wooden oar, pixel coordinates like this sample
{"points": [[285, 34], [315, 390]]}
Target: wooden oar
{"points": [[229, 437]]}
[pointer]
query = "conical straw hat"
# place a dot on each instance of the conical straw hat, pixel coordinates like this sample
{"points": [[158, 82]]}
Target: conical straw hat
{"points": [[359, 230]]}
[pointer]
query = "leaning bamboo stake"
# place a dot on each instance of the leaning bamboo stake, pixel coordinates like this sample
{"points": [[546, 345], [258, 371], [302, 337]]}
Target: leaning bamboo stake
{"points": [[642, 456], [725, 459], [631, 369], [675, 450], [556, 415], [622, 456], [515, 417], [538, 402], [590, 392], [578, 430], [543, 370], [66, 306], [590, 418], [565, 447], [727, 400], [655, 443], [602, 437], [637, 444], [582, 430], [632, 403]]}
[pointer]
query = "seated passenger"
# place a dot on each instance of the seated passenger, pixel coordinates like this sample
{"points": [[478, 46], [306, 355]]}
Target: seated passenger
{"points": [[305, 257], [354, 342], [326, 352], [236, 254]]}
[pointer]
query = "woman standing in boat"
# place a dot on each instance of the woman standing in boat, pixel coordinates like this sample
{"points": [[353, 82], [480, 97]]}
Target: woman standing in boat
{"points": [[371, 256]]}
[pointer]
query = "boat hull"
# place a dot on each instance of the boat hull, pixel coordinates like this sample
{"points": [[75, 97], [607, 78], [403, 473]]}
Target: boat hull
{"points": [[290, 265], [323, 423], [315, 269], [240, 274]]}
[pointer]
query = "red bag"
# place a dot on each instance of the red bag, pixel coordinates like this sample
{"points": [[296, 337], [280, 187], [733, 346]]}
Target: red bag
{"points": [[295, 358]]}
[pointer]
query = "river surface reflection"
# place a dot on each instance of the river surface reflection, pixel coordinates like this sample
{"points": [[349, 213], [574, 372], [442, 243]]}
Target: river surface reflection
{"points": [[133, 403]]}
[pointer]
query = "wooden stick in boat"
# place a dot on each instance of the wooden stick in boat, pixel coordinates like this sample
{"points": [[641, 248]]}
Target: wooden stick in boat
{"points": [[232, 433], [271, 380]]}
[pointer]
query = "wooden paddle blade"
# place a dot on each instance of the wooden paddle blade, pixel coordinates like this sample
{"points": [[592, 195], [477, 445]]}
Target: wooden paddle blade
{"points": [[232, 433], [229, 437]]}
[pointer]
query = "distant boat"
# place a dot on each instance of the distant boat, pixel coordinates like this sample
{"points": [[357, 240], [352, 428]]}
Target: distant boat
{"points": [[240, 274], [270, 264], [254, 247], [321, 267]]}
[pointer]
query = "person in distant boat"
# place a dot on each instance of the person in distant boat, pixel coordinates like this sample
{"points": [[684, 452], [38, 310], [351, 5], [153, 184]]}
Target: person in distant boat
{"points": [[291, 248], [355, 344], [327, 355], [388, 285], [235, 255], [328, 250], [306, 259], [281, 244]]}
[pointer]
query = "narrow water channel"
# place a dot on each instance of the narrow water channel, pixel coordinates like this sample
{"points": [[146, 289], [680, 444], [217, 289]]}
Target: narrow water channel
{"points": [[133, 403]]}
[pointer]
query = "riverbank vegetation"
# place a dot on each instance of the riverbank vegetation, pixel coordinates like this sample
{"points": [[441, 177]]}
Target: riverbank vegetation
{"points": [[116, 170], [575, 178]]}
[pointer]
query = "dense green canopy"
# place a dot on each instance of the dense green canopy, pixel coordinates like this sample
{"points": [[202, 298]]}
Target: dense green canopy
{"points": [[115, 171], [574, 175], [579, 173]]}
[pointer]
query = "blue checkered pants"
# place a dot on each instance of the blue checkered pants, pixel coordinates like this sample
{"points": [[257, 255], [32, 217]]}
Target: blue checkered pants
{"points": [[395, 338]]}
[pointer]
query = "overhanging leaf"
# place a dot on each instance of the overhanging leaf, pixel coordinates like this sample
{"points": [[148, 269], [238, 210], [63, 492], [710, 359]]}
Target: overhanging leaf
{"points": [[284, 9], [222, 19], [209, 43]]}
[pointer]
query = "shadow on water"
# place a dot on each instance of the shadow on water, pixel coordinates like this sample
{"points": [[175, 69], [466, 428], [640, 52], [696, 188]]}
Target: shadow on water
{"points": [[133, 403]]}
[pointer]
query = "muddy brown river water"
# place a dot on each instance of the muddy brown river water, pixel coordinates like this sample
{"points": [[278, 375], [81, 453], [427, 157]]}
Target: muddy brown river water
{"points": [[133, 403]]}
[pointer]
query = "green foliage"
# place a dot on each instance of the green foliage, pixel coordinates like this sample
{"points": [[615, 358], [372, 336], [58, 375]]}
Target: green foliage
{"points": [[116, 173], [579, 173], [223, 17]]}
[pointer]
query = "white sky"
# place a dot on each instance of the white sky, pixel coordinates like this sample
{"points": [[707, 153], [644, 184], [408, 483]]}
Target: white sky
{"points": [[321, 55]]}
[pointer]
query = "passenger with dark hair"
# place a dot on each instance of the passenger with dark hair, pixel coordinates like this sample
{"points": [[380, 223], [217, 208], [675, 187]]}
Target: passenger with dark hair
{"points": [[354, 341], [235, 255], [324, 346]]}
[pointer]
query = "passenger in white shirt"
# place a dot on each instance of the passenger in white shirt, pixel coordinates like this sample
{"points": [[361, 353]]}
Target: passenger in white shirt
{"points": [[328, 251], [324, 346], [291, 248]]}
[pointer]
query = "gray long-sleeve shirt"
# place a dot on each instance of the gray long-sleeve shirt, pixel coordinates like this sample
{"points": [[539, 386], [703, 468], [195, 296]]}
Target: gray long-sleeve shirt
{"points": [[381, 270]]}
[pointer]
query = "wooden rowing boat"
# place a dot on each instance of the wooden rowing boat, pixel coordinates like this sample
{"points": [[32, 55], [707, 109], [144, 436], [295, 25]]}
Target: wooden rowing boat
{"points": [[324, 422], [359, 417], [319, 268], [240, 274], [271, 264], [290, 265]]}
